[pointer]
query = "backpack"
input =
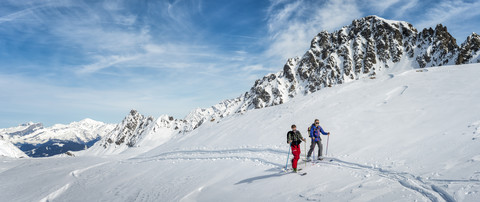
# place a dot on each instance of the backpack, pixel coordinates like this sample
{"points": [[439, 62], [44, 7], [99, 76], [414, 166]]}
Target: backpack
{"points": [[289, 134]]}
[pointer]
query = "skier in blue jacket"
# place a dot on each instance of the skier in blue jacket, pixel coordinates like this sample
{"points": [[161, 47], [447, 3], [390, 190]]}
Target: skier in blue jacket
{"points": [[315, 131]]}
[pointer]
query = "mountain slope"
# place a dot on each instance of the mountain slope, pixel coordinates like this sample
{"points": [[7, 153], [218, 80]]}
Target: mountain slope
{"points": [[9, 150], [407, 136], [368, 47]]}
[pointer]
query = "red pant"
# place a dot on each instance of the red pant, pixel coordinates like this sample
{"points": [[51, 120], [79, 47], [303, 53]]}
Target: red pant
{"points": [[296, 155]]}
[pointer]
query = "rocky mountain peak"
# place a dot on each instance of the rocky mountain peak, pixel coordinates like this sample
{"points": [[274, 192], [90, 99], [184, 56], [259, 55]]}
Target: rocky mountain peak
{"points": [[436, 47], [470, 50], [362, 49], [132, 126]]}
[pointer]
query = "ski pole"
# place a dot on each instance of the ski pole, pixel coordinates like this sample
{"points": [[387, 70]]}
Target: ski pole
{"points": [[328, 138], [305, 153], [313, 152], [288, 156]]}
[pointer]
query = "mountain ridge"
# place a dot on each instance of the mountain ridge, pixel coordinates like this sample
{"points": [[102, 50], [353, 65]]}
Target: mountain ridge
{"points": [[365, 48]]}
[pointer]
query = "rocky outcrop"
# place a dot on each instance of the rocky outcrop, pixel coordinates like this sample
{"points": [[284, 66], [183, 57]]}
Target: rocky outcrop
{"points": [[436, 47], [129, 131], [469, 50]]}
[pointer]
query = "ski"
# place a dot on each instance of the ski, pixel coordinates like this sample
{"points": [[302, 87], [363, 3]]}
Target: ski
{"points": [[302, 173], [324, 159], [291, 170]]}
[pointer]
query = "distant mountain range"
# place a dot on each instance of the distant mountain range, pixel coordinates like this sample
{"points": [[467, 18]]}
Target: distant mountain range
{"points": [[367, 47], [36, 141]]}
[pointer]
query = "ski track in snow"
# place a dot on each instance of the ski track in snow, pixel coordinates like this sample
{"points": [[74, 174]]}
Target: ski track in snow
{"points": [[55, 194], [396, 92], [431, 191], [426, 188], [77, 172], [250, 154]]}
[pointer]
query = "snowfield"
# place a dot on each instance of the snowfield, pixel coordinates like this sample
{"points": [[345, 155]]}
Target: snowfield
{"points": [[408, 136]]}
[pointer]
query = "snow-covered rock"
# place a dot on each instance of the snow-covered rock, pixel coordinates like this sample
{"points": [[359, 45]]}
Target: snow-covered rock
{"points": [[470, 50], [136, 130]]}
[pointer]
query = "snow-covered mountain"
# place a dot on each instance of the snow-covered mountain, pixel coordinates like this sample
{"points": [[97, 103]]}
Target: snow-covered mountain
{"points": [[406, 136], [38, 141], [136, 130], [367, 47], [9, 150]]}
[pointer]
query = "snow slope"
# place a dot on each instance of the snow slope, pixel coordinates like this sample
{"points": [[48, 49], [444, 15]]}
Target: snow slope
{"points": [[407, 136], [9, 150]]}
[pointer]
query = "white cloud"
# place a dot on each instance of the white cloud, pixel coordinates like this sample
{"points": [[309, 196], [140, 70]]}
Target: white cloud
{"points": [[450, 10], [105, 62], [382, 6], [258, 67], [16, 15], [294, 24], [404, 8]]}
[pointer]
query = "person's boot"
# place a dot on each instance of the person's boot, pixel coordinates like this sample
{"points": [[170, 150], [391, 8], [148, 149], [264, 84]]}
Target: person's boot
{"points": [[294, 170]]}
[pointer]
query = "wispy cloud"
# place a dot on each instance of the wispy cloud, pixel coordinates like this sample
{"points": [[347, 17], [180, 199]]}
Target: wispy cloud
{"points": [[381, 6], [16, 15], [292, 24], [449, 10], [105, 62], [404, 8]]}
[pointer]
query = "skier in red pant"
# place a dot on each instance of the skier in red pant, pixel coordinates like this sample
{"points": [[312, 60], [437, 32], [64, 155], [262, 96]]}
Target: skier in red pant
{"points": [[294, 138]]}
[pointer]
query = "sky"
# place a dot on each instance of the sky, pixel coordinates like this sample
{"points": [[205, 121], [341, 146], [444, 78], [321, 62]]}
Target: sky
{"points": [[67, 60]]}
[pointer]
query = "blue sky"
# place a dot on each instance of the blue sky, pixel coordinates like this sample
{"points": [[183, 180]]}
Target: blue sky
{"points": [[66, 60]]}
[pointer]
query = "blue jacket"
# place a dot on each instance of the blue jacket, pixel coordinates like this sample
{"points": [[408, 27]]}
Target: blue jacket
{"points": [[315, 132]]}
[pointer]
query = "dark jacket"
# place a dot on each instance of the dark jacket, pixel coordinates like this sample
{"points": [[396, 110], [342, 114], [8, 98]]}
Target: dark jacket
{"points": [[295, 137]]}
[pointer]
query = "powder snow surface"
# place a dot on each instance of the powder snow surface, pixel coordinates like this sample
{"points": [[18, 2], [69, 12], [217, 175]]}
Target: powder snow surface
{"points": [[411, 136]]}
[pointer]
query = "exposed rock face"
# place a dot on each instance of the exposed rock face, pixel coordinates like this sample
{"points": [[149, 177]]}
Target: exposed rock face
{"points": [[361, 49], [128, 132], [470, 50], [436, 47], [136, 127]]}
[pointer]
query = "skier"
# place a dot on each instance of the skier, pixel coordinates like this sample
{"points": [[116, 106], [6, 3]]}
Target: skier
{"points": [[315, 131], [294, 138]]}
